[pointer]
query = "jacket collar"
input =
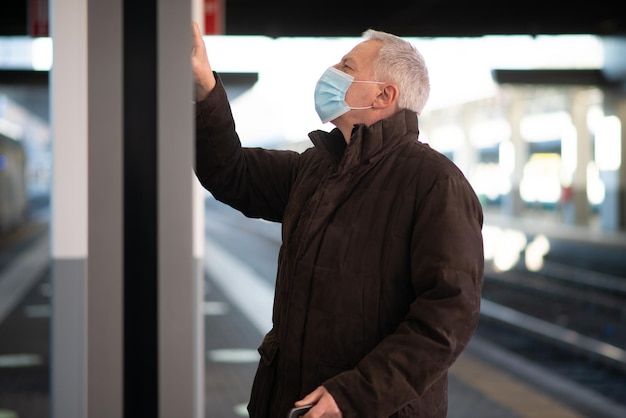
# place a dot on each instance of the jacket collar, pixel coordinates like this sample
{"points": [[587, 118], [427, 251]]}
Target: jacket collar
{"points": [[367, 142]]}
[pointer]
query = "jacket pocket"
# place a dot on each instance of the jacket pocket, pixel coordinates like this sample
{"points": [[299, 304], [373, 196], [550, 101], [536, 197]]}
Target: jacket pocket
{"points": [[264, 379]]}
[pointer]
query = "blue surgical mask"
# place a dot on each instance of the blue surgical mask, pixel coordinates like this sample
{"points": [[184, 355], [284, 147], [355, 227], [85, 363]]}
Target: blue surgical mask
{"points": [[330, 94]]}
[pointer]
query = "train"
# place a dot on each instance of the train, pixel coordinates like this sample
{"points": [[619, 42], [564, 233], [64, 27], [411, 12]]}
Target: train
{"points": [[13, 184]]}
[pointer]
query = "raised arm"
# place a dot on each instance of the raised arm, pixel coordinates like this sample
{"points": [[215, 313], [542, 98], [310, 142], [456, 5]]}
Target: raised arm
{"points": [[203, 77]]}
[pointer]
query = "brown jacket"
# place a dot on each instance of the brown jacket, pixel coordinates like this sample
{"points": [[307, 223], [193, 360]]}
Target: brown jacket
{"points": [[381, 267]]}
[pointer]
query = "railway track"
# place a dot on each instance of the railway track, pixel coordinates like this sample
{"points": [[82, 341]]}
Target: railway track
{"points": [[564, 319]]}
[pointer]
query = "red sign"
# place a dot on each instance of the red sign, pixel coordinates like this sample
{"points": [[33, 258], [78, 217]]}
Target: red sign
{"points": [[38, 21], [214, 17]]}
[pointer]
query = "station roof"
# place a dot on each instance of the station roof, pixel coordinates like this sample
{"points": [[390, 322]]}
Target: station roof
{"points": [[422, 18]]}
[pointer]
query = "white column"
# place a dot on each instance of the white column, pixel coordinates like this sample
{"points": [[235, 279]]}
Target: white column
{"points": [[105, 360], [199, 237], [98, 242], [512, 204], [181, 360], [580, 103], [610, 157], [68, 115]]}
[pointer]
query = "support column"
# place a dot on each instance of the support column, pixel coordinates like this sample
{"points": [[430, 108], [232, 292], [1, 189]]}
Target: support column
{"points": [[512, 204], [105, 223], [127, 283], [68, 115], [199, 237], [610, 158], [180, 301], [466, 156], [621, 116], [580, 104]]}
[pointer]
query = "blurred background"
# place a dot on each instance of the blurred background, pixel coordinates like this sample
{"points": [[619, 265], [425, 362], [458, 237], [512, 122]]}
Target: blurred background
{"points": [[529, 102]]}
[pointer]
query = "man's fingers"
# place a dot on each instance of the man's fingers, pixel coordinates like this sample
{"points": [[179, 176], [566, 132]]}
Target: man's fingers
{"points": [[195, 30], [202, 71], [311, 398]]}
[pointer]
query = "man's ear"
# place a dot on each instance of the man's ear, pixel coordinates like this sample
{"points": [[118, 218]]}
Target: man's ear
{"points": [[388, 96]]}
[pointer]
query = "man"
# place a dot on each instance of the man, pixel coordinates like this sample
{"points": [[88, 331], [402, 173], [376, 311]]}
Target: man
{"points": [[381, 266]]}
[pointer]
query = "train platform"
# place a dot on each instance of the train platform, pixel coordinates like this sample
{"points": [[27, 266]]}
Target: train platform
{"points": [[548, 238], [552, 225], [485, 382]]}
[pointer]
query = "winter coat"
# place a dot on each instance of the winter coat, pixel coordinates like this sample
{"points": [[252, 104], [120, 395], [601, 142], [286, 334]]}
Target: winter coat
{"points": [[380, 270]]}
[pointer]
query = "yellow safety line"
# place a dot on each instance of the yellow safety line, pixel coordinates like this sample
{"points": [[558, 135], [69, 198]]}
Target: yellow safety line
{"points": [[506, 391]]}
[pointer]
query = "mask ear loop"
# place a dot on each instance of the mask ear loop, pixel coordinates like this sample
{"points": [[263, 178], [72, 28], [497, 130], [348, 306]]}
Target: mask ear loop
{"points": [[364, 81]]}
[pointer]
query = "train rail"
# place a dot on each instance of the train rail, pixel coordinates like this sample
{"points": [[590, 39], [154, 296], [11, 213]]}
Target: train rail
{"points": [[566, 319]]}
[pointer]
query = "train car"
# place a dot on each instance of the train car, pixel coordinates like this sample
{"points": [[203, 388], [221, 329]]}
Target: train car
{"points": [[13, 187]]}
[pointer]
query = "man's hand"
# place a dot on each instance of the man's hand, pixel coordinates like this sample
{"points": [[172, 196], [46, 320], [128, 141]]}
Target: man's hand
{"points": [[203, 77], [324, 404]]}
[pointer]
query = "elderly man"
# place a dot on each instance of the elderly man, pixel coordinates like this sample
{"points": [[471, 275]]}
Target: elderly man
{"points": [[381, 265]]}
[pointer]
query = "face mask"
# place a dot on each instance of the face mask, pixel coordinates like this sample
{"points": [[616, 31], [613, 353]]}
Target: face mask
{"points": [[330, 94]]}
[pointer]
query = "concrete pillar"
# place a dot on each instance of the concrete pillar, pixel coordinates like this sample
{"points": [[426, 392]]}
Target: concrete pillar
{"points": [[127, 291], [581, 100], [610, 156], [512, 204], [69, 220], [199, 236], [180, 278], [466, 156]]}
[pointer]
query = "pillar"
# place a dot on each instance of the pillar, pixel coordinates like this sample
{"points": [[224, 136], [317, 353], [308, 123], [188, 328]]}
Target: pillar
{"points": [[512, 204], [581, 101], [126, 269], [611, 157]]}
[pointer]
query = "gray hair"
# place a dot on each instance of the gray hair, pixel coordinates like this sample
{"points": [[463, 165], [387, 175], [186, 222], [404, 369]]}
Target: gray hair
{"points": [[400, 62]]}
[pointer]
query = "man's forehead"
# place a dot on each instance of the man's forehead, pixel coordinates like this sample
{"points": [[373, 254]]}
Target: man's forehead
{"points": [[361, 51], [349, 56]]}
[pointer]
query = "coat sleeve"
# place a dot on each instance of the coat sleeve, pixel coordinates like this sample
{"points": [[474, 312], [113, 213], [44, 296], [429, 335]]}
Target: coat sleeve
{"points": [[255, 181], [447, 274]]}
